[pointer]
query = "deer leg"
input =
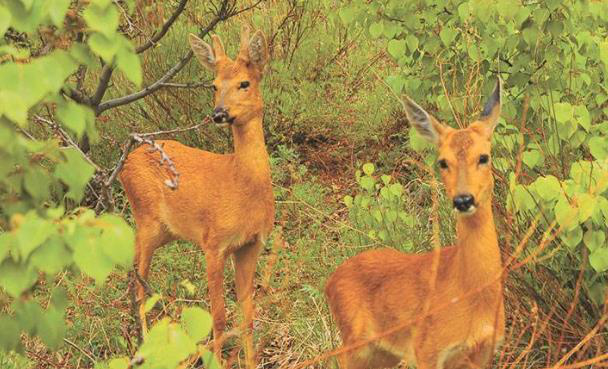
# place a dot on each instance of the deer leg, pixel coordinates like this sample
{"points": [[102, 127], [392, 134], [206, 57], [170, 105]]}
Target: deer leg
{"points": [[215, 278], [150, 235], [245, 261]]}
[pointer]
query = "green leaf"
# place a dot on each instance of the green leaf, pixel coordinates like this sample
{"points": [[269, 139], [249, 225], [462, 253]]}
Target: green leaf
{"points": [[37, 182], [598, 146], [599, 259], [447, 35], [396, 189], [531, 158], [348, 201], [75, 172], [197, 323], [16, 278], [151, 302], [396, 83], [347, 14], [5, 20], [565, 215], [594, 239], [101, 19], [412, 42], [128, 62], [88, 256], [104, 46], [583, 117], [13, 107], [57, 10], [210, 360], [119, 363], [10, 337], [52, 257], [396, 48], [586, 205], [75, 117], [367, 183], [51, 328], [117, 239], [375, 29], [563, 112], [573, 237], [368, 168], [32, 232], [548, 187]]}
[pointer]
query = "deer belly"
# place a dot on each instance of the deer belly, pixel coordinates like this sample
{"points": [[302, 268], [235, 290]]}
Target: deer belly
{"points": [[477, 349]]}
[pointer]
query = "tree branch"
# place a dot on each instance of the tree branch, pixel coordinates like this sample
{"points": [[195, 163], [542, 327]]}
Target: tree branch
{"points": [[157, 36], [104, 81], [223, 13]]}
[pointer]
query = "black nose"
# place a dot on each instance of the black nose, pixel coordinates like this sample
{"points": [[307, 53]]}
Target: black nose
{"points": [[464, 202], [220, 115]]}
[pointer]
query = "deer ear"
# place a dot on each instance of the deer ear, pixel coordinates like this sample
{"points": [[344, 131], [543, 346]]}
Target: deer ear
{"points": [[258, 50], [491, 111], [204, 53], [424, 123]]}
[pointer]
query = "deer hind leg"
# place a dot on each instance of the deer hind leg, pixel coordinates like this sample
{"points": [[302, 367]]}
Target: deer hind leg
{"points": [[150, 235], [215, 278], [245, 261]]}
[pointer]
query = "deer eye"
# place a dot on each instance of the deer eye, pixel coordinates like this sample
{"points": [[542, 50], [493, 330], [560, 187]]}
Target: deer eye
{"points": [[443, 164], [214, 87], [483, 159], [244, 84]]}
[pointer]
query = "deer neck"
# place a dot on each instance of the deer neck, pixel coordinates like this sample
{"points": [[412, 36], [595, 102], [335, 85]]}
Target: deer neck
{"points": [[251, 158], [478, 246]]}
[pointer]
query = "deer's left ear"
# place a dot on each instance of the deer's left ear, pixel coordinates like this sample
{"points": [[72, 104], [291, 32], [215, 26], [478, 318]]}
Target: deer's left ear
{"points": [[491, 111], [258, 50]]}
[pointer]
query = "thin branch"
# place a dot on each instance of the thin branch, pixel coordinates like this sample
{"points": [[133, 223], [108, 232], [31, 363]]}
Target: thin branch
{"points": [[157, 36], [67, 139], [188, 85], [223, 13], [148, 89], [83, 351], [77, 96]]}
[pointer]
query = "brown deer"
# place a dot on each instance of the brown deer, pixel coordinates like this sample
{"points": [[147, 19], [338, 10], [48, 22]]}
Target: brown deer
{"points": [[224, 203], [390, 306]]}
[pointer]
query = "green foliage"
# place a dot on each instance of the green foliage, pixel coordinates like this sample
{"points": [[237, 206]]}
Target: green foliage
{"points": [[378, 211], [169, 343], [552, 52], [40, 236]]}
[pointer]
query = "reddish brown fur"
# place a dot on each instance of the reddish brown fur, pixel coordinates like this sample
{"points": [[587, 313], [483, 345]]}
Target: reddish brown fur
{"points": [[224, 203], [378, 297]]}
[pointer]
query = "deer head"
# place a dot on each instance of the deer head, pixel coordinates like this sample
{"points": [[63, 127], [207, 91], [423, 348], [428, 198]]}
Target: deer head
{"points": [[237, 94], [464, 154]]}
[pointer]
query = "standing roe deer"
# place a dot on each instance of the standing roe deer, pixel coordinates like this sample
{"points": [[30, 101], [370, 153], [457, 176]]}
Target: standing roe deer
{"points": [[224, 203], [384, 302]]}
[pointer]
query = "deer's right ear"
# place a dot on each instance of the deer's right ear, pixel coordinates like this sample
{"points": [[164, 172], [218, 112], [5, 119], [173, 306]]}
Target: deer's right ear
{"points": [[204, 53], [424, 123]]}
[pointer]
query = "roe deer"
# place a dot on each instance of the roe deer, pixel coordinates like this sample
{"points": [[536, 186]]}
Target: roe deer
{"points": [[224, 203], [390, 306]]}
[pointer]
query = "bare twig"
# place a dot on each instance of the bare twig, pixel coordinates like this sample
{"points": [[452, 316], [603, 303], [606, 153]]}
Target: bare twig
{"points": [[188, 85], [223, 13], [83, 351], [163, 30], [67, 139]]}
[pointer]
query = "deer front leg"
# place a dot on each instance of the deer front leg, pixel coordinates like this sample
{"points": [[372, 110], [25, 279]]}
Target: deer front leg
{"points": [[215, 278], [245, 261]]}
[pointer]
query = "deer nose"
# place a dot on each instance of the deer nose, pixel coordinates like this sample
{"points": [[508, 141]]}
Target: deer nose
{"points": [[464, 202], [220, 114]]}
